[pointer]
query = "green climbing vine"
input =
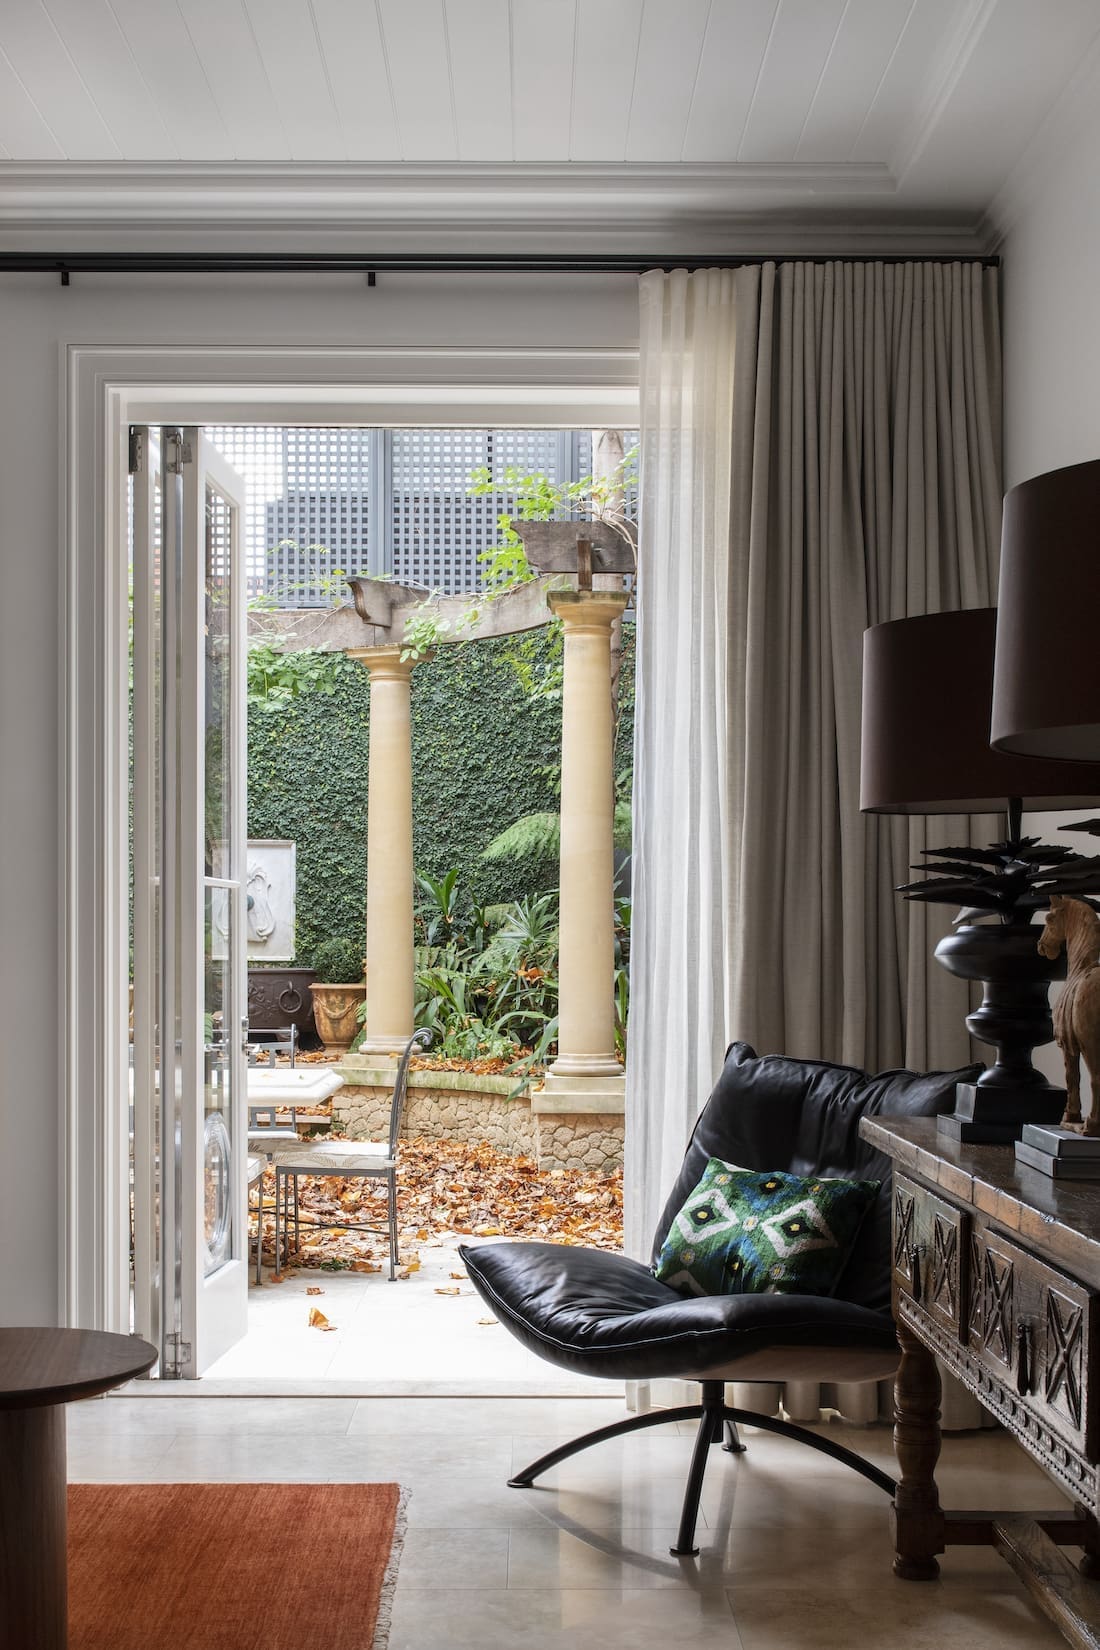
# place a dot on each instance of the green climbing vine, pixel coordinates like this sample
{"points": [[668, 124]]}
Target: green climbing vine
{"points": [[485, 754]]}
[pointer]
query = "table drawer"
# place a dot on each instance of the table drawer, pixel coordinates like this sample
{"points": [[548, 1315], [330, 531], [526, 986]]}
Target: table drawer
{"points": [[929, 1254], [1035, 1330]]}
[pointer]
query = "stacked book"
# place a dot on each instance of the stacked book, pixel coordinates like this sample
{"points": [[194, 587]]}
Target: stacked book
{"points": [[1063, 1154]]}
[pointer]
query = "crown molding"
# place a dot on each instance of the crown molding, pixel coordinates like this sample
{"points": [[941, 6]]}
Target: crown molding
{"points": [[270, 194], [756, 235], [652, 210]]}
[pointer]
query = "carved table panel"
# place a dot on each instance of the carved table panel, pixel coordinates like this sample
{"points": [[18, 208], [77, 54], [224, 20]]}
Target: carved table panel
{"points": [[996, 1271]]}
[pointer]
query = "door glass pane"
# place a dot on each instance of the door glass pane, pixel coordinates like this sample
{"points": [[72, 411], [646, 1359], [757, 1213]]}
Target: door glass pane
{"points": [[219, 704], [220, 1013], [218, 1083]]}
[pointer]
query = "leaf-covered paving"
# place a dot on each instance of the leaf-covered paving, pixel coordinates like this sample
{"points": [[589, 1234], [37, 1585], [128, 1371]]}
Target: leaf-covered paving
{"points": [[449, 1189]]}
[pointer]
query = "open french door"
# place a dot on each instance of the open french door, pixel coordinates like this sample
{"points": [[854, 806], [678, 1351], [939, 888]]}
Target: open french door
{"points": [[189, 853]]}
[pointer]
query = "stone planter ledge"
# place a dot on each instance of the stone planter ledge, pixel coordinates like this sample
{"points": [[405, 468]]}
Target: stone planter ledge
{"points": [[463, 1105]]}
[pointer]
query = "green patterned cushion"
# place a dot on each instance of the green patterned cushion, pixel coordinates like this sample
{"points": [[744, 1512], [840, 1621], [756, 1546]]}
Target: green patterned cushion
{"points": [[750, 1231]]}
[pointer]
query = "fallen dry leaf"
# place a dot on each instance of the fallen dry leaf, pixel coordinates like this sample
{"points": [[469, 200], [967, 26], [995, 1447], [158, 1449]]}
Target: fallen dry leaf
{"points": [[487, 1320], [448, 1188], [447, 1290], [317, 1320], [314, 1289], [459, 1275]]}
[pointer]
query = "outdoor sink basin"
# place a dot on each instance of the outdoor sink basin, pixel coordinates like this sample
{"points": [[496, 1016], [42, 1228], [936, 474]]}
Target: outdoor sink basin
{"points": [[291, 1086]]}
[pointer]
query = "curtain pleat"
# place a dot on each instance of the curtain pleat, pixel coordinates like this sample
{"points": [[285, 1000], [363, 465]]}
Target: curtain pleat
{"points": [[820, 452]]}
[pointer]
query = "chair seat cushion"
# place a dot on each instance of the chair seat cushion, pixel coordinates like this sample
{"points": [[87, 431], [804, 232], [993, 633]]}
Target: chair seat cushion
{"points": [[338, 1157], [598, 1313]]}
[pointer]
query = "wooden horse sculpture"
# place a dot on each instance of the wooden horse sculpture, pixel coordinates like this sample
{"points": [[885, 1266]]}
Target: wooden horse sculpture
{"points": [[1075, 925]]}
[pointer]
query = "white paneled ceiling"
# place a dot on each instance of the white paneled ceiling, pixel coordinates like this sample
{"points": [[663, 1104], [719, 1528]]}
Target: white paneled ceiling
{"points": [[666, 111]]}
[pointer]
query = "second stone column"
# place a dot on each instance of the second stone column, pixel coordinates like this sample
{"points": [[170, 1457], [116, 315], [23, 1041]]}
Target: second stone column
{"points": [[389, 1013], [586, 1076]]}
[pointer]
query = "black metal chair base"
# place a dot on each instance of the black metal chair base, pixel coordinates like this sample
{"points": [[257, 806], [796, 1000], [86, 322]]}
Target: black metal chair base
{"points": [[716, 1418]]}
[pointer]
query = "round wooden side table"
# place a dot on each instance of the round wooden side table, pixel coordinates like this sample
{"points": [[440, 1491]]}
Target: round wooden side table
{"points": [[40, 1371]]}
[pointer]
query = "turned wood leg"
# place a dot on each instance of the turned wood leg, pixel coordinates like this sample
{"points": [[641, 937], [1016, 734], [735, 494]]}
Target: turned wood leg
{"points": [[917, 1516], [33, 1558]]}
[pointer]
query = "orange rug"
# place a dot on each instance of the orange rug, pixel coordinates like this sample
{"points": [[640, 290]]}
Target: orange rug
{"points": [[232, 1566]]}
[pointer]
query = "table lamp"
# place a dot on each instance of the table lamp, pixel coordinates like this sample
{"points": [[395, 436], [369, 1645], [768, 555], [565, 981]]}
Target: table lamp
{"points": [[1046, 681], [927, 689]]}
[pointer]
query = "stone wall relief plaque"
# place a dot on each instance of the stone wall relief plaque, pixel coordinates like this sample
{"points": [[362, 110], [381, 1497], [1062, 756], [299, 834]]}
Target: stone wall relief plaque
{"points": [[269, 902]]}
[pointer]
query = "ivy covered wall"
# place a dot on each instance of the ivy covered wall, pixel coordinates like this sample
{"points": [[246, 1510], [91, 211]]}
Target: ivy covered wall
{"points": [[485, 752]]}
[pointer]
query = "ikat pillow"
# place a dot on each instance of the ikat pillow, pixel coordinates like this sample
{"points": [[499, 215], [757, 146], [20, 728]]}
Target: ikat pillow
{"points": [[749, 1231]]}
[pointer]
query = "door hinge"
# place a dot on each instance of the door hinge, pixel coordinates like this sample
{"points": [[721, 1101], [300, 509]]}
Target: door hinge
{"points": [[179, 1354], [137, 449], [177, 453]]}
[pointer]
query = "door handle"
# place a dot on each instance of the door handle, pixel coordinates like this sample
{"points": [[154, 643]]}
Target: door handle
{"points": [[1023, 1360]]}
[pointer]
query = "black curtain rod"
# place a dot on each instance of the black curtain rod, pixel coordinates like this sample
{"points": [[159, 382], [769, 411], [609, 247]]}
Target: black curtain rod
{"points": [[323, 263]]}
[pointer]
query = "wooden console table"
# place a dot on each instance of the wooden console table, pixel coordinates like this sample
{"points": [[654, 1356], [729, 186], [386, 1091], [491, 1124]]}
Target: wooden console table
{"points": [[41, 1370], [996, 1270]]}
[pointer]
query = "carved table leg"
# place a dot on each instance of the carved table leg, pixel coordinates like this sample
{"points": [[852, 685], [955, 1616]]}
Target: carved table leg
{"points": [[917, 1516]]}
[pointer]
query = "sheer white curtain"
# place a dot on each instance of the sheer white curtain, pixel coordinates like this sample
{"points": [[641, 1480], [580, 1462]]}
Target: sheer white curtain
{"points": [[820, 451]]}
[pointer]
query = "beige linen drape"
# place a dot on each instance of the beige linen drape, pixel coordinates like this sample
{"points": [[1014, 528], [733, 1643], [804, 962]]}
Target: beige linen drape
{"points": [[820, 452]]}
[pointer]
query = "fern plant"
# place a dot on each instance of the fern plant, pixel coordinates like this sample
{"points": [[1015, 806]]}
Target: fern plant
{"points": [[538, 836]]}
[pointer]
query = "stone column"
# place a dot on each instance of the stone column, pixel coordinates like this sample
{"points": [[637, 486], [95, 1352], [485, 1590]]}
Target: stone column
{"points": [[586, 1076], [389, 1022]]}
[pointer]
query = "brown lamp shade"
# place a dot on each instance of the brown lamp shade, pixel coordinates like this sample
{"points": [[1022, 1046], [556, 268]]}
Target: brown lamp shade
{"points": [[1046, 686], [927, 688]]}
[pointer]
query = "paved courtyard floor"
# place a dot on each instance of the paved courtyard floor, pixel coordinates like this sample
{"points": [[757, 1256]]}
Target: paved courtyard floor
{"points": [[427, 1332]]}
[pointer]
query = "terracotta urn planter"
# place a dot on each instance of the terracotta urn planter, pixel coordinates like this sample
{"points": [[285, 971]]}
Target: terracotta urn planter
{"points": [[336, 1014]]}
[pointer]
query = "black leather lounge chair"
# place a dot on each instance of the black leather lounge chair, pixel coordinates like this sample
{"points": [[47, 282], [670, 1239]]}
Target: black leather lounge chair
{"points": [[598, 1313]]}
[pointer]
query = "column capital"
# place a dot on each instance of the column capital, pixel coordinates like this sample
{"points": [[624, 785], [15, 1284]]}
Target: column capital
{"points": [[588, 609], [385, 663]]}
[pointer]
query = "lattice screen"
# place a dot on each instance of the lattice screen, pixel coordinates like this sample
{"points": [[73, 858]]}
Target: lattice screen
{"points": [[438, 530], [321, 503], [258, 454]]}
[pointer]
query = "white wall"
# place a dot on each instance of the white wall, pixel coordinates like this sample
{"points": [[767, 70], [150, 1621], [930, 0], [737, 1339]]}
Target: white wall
{"points": [[1051, 268], [37, 319]]}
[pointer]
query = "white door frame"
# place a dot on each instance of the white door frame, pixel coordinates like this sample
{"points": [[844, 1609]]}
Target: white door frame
{"points": [[104, 390]]}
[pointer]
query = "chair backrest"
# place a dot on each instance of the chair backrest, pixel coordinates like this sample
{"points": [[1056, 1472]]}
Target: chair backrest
{"points": [[268, 1044], [419, 1039], [771, 1112]]}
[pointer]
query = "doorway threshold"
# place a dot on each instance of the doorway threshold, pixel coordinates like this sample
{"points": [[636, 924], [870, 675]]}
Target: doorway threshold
{"points": [[318, 1333], [579, 1387]]}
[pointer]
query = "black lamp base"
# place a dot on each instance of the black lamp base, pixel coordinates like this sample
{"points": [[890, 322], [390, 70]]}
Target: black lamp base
{"points": [[1014, 1018], [990, 1115]]}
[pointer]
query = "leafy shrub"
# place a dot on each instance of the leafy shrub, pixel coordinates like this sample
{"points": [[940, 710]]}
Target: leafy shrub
{"points": [[338, 961]]}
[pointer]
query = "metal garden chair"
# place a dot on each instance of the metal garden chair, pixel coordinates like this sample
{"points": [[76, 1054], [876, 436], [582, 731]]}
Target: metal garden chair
{"points": [[345, 1159]]}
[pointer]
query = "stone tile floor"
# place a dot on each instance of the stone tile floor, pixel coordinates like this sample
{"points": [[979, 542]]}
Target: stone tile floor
{"points": [[386, 1336], [795, 1550]]}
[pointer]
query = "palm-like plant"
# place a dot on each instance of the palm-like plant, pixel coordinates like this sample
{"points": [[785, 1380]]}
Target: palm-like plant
{"points": [[1010, 879]]}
